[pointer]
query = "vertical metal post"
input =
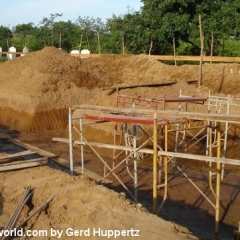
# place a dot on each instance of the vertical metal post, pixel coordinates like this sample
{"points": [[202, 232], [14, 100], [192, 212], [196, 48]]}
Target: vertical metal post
{"points": [[135, 161], [70, 140], [165, 167], [208, 125], [155, 164], [165, 162], [81, 147], [225, 137], [218, 181], [210, 163]]}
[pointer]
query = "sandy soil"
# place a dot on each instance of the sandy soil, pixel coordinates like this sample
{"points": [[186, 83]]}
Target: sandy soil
{"points": [[36, 91]]}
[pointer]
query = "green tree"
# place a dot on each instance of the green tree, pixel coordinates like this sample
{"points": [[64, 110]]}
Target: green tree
{"points": [[87, 33], [98, 28], [178, 19], [47, 29], [116, 35], [5, 37], [24, 36], [68, 35]]}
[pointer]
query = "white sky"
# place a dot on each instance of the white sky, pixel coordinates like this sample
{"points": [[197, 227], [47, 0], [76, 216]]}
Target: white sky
{"points": [[14, 12]]}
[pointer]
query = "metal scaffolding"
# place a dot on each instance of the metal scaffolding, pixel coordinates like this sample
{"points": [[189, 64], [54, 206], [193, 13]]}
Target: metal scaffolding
{"points": [[141, 131]]}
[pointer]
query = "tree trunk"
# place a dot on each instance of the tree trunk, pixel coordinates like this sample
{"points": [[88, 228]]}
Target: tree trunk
{"points": [[201, 52], [60, 40], [99, 47], [88, 43], [123, 45], [174, 51], [80, 44], [150, 48], [212, 44]]}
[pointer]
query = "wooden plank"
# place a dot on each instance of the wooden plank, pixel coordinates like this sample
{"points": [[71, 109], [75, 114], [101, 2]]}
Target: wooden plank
{"points": [[179, 58], [53, 157], [104, 145], [14, 155], [150, 151], [21, 166], [196, 58], [114, 89], [19, 143], [192, 81], [200, 158], [25, 161], [17, 53]]}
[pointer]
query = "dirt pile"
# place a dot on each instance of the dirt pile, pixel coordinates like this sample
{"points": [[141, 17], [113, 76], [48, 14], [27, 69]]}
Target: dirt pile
{"points": [[79, 204], [37, 89]]}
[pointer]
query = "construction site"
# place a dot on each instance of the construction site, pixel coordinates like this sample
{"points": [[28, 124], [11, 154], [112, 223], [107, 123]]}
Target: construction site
{"points": [[160, 151]]}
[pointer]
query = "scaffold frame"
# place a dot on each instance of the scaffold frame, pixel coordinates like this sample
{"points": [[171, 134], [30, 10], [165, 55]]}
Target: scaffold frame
{"points": [[154, 118]]}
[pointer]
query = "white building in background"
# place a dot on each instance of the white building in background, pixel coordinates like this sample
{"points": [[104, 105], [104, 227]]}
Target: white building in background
{"points": [[11, 55], [0, 52], [75, 52], [85, 53], [25, 50]]}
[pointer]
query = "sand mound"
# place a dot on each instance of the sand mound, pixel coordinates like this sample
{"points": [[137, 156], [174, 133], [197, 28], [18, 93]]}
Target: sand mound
{"points": [[79, 205], [37, 89]]}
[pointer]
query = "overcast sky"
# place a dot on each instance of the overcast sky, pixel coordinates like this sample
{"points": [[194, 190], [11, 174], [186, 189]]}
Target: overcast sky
{"points": [[14, 12]]}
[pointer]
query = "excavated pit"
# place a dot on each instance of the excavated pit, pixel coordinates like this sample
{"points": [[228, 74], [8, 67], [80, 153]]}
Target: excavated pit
{"points": [[37, 90]]}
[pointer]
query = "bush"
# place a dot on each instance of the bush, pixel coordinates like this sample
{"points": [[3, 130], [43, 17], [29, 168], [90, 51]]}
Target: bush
{"points": [[3, 59]]}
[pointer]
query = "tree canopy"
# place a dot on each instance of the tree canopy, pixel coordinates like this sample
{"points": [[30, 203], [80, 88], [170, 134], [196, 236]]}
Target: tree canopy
{"points": [[150, 30]]}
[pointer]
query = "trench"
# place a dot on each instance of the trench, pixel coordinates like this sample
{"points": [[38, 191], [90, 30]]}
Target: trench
{"points": [[40, 121]]}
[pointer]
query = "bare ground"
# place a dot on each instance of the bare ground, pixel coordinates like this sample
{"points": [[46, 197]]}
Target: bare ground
{"points": [[36, 91]]}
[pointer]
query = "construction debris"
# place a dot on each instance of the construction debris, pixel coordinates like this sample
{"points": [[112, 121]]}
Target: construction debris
{"points": [[11, 225], [114, 89]]}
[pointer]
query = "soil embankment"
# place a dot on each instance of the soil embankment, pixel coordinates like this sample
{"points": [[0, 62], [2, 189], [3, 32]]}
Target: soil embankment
{"points": [[36, 92]]}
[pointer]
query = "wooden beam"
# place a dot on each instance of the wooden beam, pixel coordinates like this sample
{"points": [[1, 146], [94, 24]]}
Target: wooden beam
{"points": [[61, 161], [44, 159], [17, 53], [19, 143], [104, 145], [114, 89], [196, 58], [23, 164], [200, 158], [14, 155], [150, 151]]}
